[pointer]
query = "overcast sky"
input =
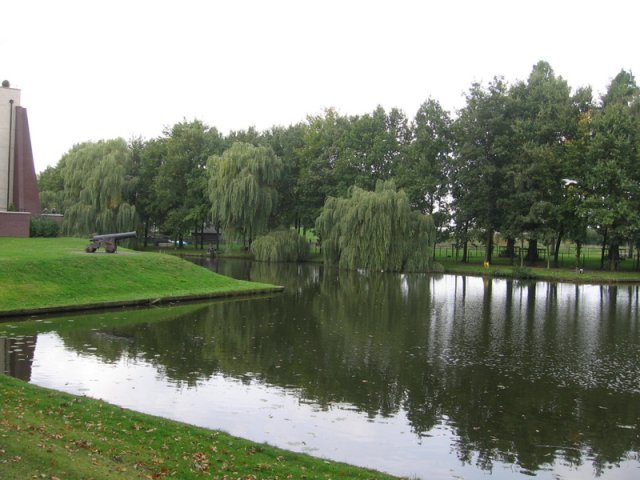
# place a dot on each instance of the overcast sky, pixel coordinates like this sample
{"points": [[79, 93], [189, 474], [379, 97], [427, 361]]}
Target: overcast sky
{"points": [[92, 70]]}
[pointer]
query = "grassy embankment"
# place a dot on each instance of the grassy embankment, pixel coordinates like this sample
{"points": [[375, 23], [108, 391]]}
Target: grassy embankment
{"points": [[565, 272], [52, 435], [38, 273]]}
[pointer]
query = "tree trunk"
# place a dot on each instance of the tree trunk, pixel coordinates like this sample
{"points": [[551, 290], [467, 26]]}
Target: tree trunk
{"points": [[604, 244], [546, 244], [146, 233], [532, 252], [489, 246], [511, 249], [521, 250], [613, 257], [465, 243], [578, 252], [556, 253]]}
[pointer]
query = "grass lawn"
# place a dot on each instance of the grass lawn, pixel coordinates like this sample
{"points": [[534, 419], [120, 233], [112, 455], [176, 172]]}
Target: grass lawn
{"points": [[566, 272], [53, 272], [51, 435]]}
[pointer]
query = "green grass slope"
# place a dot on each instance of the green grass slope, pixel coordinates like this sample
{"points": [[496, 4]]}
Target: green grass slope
{"points": [[52, 435], [40, 273]]}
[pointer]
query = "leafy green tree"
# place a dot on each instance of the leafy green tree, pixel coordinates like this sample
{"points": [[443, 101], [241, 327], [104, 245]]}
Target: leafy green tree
{"points": [[371, 148], [147, 158], [482, 154], [322, 146], [423, 175], [612, 183], [376, 230], [280, 246], [544, 119], [51, 189], [242, 188], [181, 194], [577, 149], [287, 144], [96, 186]]}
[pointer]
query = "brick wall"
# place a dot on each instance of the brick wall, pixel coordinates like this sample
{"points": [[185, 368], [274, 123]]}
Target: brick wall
{"points": [[14, 224]]}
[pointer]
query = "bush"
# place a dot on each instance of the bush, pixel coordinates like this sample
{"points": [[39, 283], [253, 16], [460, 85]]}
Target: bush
{"points": [[523, 273], [437, 267], [43, 227], [280, 246]]}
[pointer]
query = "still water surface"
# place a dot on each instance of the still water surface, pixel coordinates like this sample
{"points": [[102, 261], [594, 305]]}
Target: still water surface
{"points": [[432, 377]]}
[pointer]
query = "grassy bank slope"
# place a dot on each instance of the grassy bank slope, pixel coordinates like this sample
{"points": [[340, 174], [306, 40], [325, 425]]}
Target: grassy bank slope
{"points": [[52, 435], [55, 272], [589, 276]]}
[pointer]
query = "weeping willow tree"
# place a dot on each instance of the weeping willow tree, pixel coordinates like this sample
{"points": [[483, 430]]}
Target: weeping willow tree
{"points": [[97, 184], [242, 188], [280, 246], [376, 230]]}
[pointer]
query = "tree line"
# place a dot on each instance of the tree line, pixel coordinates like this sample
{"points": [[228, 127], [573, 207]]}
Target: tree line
{"points": [[534, 161]]}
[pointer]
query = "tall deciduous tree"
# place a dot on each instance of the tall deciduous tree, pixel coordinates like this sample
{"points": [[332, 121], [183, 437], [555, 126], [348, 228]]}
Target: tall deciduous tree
{"points": [[376, 230], [181, 183], [483, 152], [147, 158], [544, 119], [286, 144], [423, 174], [612, 181], [242, 188], [371, 149], [321, 149], [97, 184], [51, 189]]}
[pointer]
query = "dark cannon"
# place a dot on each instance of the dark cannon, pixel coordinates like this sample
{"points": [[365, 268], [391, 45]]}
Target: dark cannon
{"points": [[108, 241]]}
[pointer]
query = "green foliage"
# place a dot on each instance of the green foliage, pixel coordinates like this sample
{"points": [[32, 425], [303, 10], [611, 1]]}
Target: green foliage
{"points": [[376, 230], [179, 200], [280, 246], [43, 227], [531, 161], [96, 184], [424, 174], [523, 273], [51, 189], [242, 188]]}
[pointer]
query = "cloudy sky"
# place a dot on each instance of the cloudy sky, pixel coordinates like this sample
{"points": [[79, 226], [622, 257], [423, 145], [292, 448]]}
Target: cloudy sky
{"points": [[91, 70]]}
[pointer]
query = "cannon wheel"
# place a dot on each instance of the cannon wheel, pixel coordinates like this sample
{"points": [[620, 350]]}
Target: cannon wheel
{"points": [[90, 249], [110, 247]]}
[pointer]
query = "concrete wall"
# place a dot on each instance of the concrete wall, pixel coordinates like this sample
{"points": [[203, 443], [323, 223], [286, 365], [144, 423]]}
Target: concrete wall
{"points": [[7, 143]]}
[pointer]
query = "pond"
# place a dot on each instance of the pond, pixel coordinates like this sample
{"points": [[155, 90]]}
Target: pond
{"points": [[421, 376]]}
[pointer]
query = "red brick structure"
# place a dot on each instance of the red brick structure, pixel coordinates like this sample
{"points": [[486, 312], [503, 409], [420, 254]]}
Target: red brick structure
{"points": [[25, 182], [14, 224], [19, 198]]}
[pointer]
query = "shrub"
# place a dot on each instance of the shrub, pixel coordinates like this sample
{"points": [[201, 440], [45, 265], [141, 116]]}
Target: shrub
{"points": [[523, 273], [43, 227], [280, 246]]}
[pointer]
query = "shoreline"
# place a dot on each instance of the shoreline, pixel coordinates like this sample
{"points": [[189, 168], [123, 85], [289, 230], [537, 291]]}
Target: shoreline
{"points": [[162, 300], [62, 435]]}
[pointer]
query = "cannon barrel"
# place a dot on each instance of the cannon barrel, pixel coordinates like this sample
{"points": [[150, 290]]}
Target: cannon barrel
{"points": [[114, 236], [108, 241]]}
